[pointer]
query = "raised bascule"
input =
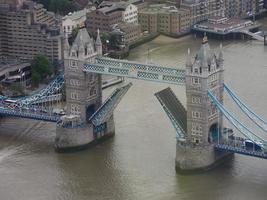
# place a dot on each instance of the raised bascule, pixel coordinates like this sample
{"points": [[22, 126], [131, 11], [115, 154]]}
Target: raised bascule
{"points": [[202, 139]]}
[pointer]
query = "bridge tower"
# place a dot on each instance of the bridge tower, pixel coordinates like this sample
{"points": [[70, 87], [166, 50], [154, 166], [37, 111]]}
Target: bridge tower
{"points": [[83, 94], [204, 123]]}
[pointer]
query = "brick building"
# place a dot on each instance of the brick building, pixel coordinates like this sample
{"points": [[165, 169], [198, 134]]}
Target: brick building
{"points": [[110, 13], [165, 19]]}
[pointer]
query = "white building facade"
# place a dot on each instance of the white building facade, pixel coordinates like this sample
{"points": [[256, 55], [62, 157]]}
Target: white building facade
{"points": [[73, 20], [130, 14]]}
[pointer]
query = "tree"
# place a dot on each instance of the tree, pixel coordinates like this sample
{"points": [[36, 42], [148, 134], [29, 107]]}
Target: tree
{"points": [[58, 6], [73, 35], [41, 67]]}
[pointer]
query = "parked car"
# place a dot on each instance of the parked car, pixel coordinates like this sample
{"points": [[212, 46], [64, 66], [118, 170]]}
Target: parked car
{"points": [[249, 145], [58, 111]]}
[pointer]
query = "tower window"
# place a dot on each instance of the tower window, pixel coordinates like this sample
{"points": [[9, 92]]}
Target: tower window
{"points": [[75, 109], [195, 80], [74, 95], [196, 114]]}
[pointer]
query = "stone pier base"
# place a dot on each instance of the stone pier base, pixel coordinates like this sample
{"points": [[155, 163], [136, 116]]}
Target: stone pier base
{"points": [[197, 158], [79, 138]]}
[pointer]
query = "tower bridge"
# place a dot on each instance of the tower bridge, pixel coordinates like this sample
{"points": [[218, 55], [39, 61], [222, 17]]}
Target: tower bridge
{"points": [[202, 139]]}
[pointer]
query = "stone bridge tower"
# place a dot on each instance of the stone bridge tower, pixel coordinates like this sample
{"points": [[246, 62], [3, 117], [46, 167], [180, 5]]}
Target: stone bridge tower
{"points": [[204, 123], [83, 93]]}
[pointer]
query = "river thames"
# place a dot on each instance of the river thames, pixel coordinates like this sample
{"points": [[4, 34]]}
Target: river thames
{"points": [[139, 162]]}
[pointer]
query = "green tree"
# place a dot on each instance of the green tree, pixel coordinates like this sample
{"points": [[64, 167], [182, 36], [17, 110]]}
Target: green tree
{"points": [[62, 7], [73, 35], [41, 67]]}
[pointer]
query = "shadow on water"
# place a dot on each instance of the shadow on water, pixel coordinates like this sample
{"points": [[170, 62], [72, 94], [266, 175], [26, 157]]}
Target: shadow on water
{"points": [[95, 174], [209, 184]]}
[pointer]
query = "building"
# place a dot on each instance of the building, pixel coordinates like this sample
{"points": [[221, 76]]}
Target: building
{"points": [[74, 20], [243, 8], [13, 70], [129, 31], [140, 4], [203, 9], [109, 14], [81, 4], [223, 25], [27, 29], [164, 19]]}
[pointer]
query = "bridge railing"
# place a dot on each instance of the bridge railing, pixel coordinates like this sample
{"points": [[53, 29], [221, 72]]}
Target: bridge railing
{"points": [[107, 108], [29, 114], [240, 148]]}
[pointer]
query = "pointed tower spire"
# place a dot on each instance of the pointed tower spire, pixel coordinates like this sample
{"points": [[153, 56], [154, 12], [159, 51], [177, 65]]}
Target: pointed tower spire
{"points": [[220, 57], [66, 46], [221, 53], [188, 59], [205, 39], [98, 44]]}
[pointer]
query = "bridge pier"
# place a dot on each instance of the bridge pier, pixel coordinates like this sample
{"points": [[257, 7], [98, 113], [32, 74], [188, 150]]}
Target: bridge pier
{"points": [[193, 158], [78, 137], [204, 121]]}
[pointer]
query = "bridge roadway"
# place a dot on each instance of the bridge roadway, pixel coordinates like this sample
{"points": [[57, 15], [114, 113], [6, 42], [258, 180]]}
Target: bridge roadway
{"points": [[174, 110], [135, 70], [237, 146], [36, 114], [106, 109], [46, 113]]}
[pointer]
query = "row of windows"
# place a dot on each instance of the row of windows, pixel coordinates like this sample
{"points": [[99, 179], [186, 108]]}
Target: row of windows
{"points": [[196, 114], [75, 82], [213, 77], [131, 13], [196, 100], [196, 140], [69, 27], [196, 133], [74, 96], [197, 127], [195, 80], [75, 109]]}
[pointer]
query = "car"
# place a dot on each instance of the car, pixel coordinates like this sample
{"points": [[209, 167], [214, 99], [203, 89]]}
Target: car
{"points": [[44, 111], [12, 106], [257, 146], [58, 111]]}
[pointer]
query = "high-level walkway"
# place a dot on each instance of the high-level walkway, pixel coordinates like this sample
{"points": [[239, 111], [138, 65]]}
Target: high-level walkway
{"points": [[125, 68]]}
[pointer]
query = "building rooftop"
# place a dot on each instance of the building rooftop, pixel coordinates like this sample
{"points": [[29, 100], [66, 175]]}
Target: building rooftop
{"points": [[136, 2], [107, 7], [76, 15], [228, 23], [161, 8], [83, 40], [10, 64], [191, 2]]}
